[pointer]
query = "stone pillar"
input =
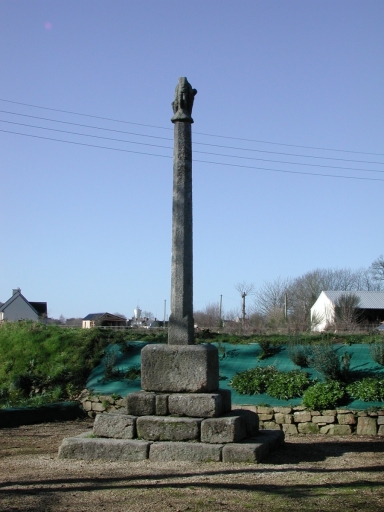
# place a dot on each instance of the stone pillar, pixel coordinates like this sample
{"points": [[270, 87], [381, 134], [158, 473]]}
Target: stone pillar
{"points": [[181, 366], [181, 324]]}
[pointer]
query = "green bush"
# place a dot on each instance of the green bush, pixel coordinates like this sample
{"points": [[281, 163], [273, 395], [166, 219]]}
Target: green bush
{"points": [[327, 362], [324, 395], [282, 385], [253, 381], [370, 389], [299, 354], [376, 350], [286, 385]]}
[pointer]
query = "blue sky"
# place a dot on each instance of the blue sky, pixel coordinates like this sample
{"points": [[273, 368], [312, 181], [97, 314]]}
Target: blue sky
{"points": [[89, 229]]}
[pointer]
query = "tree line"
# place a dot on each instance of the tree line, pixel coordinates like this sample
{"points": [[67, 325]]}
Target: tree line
{"points": [[285, 301]]}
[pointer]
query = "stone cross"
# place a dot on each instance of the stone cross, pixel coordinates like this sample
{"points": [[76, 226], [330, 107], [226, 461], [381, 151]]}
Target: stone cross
{"points": [[181, 325]]}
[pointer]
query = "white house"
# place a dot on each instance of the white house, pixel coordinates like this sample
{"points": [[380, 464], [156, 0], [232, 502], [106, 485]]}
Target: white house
{"points": [[19, 308], [370, 308]]}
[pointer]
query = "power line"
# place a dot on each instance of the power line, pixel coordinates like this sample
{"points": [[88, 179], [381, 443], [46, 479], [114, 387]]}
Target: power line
{"points": [[201, 161], [199, 133], [200, 152], [195, 143]]}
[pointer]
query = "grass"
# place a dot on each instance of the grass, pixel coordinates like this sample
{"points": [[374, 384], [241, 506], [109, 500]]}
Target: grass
{"points": [[46, 363]]}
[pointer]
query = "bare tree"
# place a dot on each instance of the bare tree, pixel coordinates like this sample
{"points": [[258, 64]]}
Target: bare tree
{"points": [[208, 318], [244, 289], [346, 310], [271, 296], [377, 269]]}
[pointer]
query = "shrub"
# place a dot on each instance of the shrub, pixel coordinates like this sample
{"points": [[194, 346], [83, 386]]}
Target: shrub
{"points": [[370, 389], [376, 350], [299, 354], [253, 381], [286, 385], [282, 385], [324, 395], [327, 362]]}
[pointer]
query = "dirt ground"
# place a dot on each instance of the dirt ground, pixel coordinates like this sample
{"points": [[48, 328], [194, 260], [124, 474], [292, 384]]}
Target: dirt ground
{"points": [[316, 473]]}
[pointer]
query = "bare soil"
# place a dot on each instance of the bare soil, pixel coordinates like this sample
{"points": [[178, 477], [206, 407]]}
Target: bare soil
{"points": [[313, 473]]}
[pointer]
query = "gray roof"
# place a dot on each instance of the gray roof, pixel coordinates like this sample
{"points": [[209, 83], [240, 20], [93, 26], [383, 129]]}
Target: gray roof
{"points": [[368, 300]]}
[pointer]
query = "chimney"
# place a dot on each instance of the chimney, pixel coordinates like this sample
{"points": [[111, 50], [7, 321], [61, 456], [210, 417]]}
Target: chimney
{"points": [[15, 290]]}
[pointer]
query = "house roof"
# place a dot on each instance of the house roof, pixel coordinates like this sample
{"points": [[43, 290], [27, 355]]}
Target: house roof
{"points": [[39, 310], [368, 300], [97, 316]]}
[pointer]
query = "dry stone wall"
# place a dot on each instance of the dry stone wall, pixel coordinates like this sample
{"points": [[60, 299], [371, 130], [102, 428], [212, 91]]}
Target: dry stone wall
{"points": [[291, 420]]}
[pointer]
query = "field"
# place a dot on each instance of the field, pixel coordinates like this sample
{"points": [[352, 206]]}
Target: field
{"points": [[311, 473]]}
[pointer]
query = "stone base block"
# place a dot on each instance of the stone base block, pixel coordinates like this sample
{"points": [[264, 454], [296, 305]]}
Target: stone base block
{"points": [[251, 420], [106, 449], [117, 426], [168, 428], [245, 452], [223, 430], [196, 405], [255, 449], [180, 368], [189, 452], [143, 403]]}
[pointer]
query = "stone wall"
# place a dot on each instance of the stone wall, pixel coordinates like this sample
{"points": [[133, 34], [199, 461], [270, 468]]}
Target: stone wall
{"points": [[299, 420], [291, 420]]}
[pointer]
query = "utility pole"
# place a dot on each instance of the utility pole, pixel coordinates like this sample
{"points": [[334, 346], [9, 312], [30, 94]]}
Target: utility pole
{"points": [[220, 312]]}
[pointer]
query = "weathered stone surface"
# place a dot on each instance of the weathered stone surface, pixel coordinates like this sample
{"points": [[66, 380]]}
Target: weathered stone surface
{"points": [[281, 418], [195, 405], [162, 405], [121, 402], [271, 425], [87, 405], [98, 407], [380, 420], [329, 412], [227, 429], [190, 452], [264, 410], [323, 419], [308, 428], [181, 324], [226, 400], [289, 429], [302, 416], [341, 430], [245, 452], [366, 426], [180, 368], [362, 413], [118, 426], [265, 417], [380, 432], [106, 449], [168, 428], [141, 404], [283, 410], [346, 419], [251, 420]]}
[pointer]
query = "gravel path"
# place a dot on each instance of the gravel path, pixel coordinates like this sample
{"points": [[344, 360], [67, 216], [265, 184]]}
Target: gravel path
{"points": [[316, 473]]}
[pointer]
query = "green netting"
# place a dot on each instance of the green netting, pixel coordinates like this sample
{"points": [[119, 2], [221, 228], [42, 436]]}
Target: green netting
{"points": [[235, 359]]}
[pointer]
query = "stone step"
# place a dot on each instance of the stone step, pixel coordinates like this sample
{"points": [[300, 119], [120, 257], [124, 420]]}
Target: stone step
{"points": [[253, 449], [194, 405]]}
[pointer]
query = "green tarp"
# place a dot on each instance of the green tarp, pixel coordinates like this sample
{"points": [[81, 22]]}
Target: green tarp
{"points": [[233, 359]]}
